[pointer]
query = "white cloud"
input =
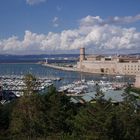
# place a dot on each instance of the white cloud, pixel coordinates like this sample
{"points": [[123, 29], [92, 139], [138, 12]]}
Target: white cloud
{"points": [[91, 34], [32, 2], [127, 19], [55, 21], [90, 20], [58, 8]]}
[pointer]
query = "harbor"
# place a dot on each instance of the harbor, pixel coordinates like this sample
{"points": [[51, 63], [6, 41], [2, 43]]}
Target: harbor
{"points": [[72, 83]]}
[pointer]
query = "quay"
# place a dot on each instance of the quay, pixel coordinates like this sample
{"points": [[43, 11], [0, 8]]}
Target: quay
{"points": [[61, 67]]}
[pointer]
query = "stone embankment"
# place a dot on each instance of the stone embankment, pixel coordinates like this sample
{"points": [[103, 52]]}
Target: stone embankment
{"points": [[66, 68], [61, 67]]}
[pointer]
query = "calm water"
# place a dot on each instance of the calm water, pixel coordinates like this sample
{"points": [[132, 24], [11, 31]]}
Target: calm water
{"points": [[41, 71]]}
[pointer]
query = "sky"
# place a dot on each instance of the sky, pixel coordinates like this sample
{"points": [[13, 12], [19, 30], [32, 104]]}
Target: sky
{"points": [[64, 26]]}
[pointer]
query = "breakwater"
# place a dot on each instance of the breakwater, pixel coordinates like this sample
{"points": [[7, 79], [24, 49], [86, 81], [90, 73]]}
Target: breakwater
{"points": [[62, 67]]}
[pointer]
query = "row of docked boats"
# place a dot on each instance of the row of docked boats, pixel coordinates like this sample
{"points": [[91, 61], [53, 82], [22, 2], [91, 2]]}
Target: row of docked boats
{"points": [[16, 84], [83, 86]]}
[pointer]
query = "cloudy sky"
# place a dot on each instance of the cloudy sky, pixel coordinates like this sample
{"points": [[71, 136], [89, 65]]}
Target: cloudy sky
{"points": [[63, 26]]}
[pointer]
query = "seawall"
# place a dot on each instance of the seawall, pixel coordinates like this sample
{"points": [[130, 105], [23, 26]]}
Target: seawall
{"points": [[61, 68], [78, 70]]}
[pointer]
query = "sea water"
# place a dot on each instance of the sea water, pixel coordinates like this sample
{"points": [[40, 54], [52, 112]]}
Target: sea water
{"points": [[67, 77]]}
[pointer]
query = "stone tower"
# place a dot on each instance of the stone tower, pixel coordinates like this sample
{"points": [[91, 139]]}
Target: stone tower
{"points": [[82, 54]]}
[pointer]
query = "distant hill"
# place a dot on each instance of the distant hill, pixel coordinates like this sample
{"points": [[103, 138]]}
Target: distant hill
{"points": [[36, 58], [135, 54]]}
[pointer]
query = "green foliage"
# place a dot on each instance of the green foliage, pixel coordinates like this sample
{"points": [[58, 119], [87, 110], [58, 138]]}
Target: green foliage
{"points": [[31, 85], [133, 89], [109, 122], [27, 117], [137, 90], [58, 112], [5, 118]]}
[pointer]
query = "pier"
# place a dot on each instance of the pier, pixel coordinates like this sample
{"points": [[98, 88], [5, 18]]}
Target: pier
{"points": [[61, 68]]}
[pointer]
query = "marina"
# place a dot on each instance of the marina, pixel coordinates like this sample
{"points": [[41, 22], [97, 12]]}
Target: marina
{"points": [[16, 84], [70, 82], [87, 90]]}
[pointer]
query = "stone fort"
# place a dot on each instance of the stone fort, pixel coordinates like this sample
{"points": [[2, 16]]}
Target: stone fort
{"points": [[122, 64]]}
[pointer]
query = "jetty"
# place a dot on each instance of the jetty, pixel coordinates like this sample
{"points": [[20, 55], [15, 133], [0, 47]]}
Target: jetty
{"points": [[65, 68]]}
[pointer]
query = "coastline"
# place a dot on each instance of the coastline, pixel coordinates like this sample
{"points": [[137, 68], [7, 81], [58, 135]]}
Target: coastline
{"points": [[79, 70]]}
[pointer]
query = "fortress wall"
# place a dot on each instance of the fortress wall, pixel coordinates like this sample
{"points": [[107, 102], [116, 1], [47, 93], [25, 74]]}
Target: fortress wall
{"points": [[98, 67], [111, 67]]}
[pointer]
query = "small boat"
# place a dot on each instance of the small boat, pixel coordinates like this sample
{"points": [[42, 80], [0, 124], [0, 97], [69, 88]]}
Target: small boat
{"points": [[118, 76], [104, 77], [91, 82]]}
